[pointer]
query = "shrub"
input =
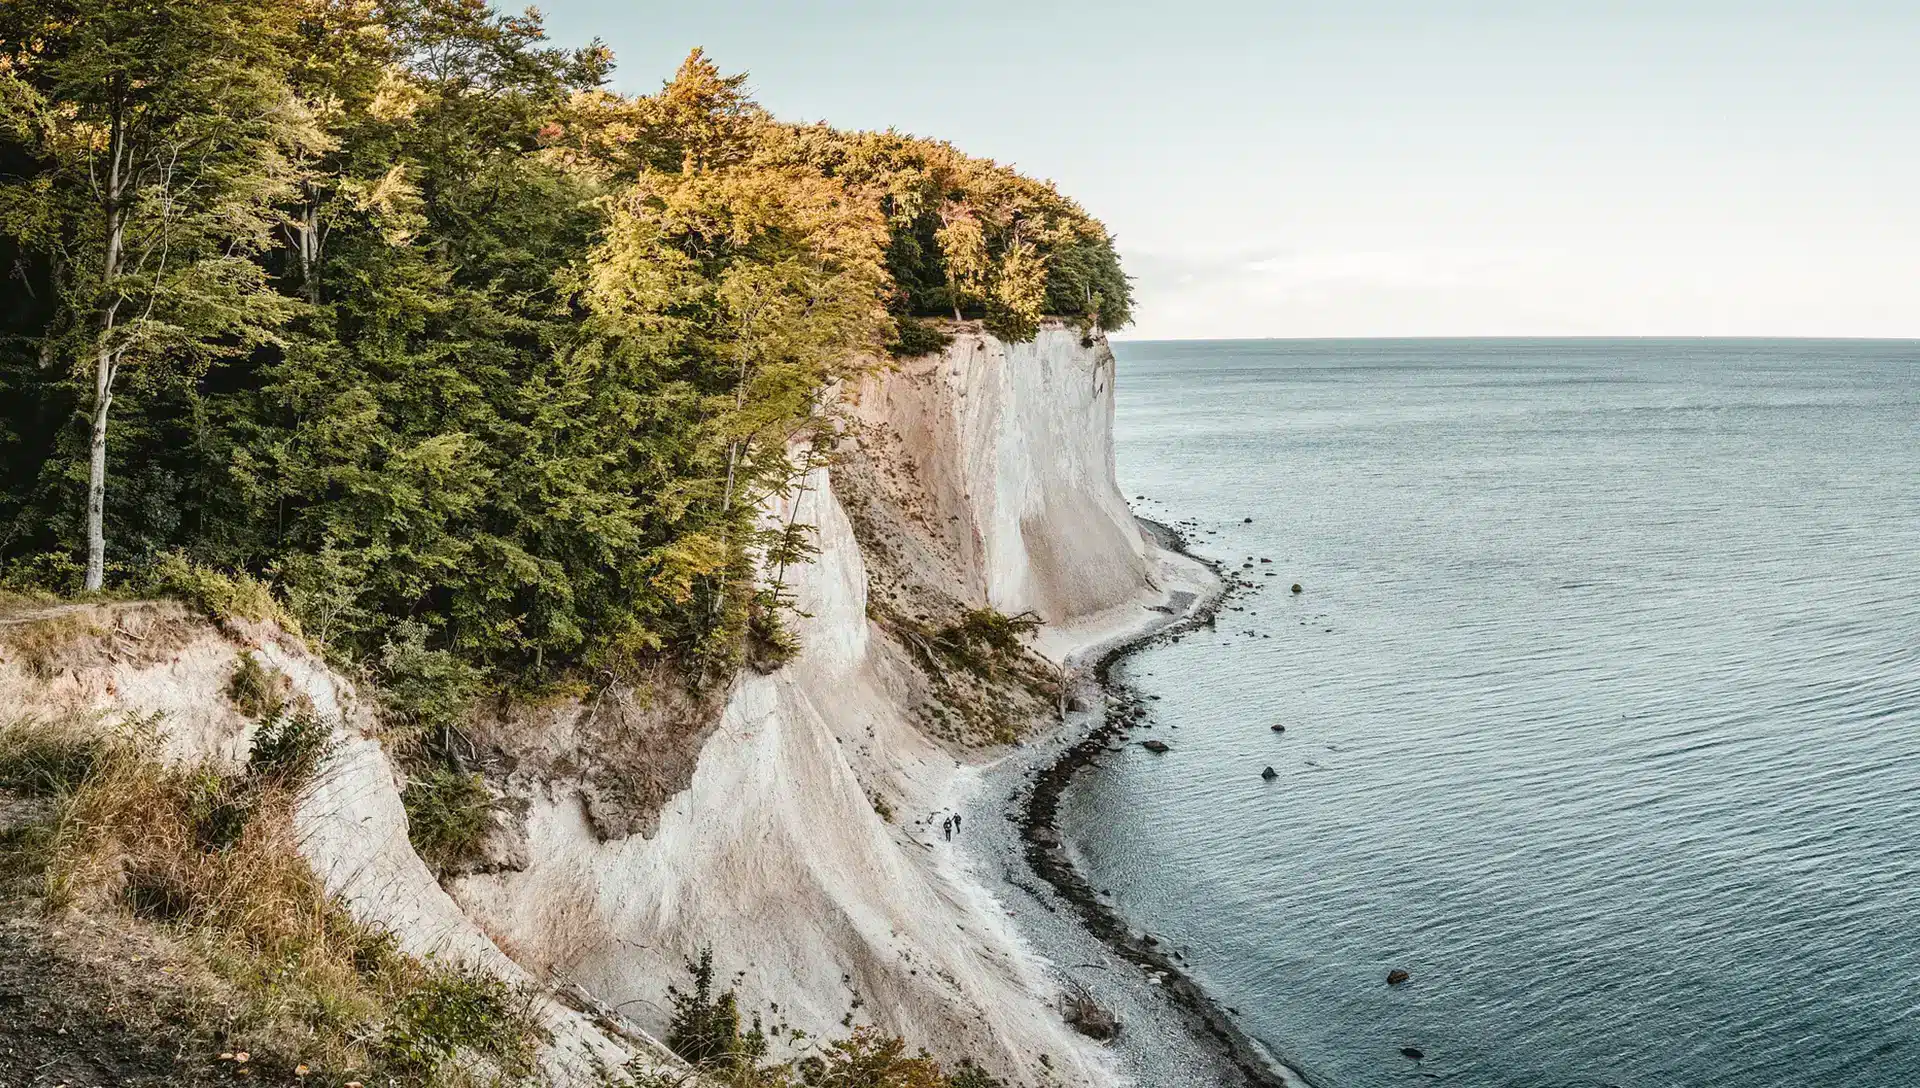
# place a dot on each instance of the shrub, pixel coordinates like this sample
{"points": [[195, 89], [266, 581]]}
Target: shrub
{"points": [[43, 574], [704, 1027], [218, 807], [869, 1059], [449, 815], [984, 638], [770, 642], [219, 595], [918, 337], [254, 688], [425, 690], [987, 628], [969, 1075], [456, 1009], [288, 750]]}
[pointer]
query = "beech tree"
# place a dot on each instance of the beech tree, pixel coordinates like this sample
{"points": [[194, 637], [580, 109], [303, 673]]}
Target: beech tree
{"points": [[963, 249], [757, 286], [167, 129]]}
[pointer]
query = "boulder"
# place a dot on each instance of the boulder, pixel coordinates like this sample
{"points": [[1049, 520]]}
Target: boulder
{"points": [[1413, 1052], [1269, 774], [1278, 728], [1396, 976], [1086, 1016], [1157, 747], [1296, 587]]}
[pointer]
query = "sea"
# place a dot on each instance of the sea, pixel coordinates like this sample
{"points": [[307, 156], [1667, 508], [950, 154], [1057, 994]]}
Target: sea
{"points": [[1601, 696]]}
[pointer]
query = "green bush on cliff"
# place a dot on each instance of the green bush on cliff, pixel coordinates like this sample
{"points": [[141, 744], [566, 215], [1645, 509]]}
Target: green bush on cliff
{"points": [[705, 1029], [449, 814], [918, 336]]}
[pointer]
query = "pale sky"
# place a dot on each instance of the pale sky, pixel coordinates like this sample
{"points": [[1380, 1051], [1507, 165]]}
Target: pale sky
{"points": [[1409, 168]]}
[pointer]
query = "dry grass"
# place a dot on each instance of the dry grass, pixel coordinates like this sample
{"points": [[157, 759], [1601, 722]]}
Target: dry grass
{"points": [[207, 858], [44, 643], [257, 690]]}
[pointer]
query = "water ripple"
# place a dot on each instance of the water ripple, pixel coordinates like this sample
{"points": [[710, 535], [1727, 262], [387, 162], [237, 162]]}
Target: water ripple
{"points": [[1603, 707]]}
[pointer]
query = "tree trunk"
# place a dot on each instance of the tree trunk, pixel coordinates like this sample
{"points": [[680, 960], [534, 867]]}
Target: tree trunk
{"points": [[308, 236], [97, 472], [103, 364]]}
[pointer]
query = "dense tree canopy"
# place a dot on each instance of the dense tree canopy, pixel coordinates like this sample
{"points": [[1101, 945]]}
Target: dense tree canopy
{"points": [[396, 306]]}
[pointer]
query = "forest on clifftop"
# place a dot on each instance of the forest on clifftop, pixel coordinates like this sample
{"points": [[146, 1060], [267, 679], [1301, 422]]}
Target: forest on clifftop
{"points": [[394, 315]]}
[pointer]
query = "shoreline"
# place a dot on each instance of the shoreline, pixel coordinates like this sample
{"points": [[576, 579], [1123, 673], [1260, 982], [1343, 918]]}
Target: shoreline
{"points": [[1200, 1044], [1047, 856]]}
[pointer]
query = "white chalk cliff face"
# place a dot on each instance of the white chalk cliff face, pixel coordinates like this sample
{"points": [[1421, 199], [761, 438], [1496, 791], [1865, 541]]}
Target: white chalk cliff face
{"points": [[775, 855], [996, 462], [1006, 458]]}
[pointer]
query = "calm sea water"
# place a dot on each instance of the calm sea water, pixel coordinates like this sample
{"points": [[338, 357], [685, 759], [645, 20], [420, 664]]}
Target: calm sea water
{"points": [[1602, 706]]}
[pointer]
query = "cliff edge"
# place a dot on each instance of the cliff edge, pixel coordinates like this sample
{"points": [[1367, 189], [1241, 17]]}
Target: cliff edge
{"points": [[795, 831]]}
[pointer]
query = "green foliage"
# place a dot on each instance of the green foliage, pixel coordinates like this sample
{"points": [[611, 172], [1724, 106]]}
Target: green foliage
{"points": [[704, 1026], [454, 1011], [917, 336], [485, 369], [218, 807], [869, 1059], [969, 1075], [289, 749], [449, 814], [984, 635], [425, 690], [770, 643], [219, 595]]}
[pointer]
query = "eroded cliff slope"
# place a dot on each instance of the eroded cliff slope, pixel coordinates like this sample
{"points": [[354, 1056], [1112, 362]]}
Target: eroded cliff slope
{"points": [[795, 833]]}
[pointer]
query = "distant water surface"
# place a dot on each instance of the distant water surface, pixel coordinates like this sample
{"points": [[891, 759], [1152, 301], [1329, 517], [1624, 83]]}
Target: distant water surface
{"points": [[1602, 706]]}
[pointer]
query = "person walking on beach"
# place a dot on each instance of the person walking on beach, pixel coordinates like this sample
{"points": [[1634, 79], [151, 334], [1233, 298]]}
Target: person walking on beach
{"points": [[956, 823], [946, 825]]}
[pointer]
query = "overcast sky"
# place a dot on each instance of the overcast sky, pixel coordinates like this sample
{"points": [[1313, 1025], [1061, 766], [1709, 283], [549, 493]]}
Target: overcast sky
{"points": [[1421, 167]]}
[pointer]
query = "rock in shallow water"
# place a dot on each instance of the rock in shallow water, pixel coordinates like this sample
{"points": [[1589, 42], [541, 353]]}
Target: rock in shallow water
{"points": [[1157, 747], [1413, 1052], [1396, 976], [1269, 774]]}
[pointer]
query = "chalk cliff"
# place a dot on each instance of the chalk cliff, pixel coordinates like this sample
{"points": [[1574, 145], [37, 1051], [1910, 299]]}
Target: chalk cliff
{"points": [[795, 832]]}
